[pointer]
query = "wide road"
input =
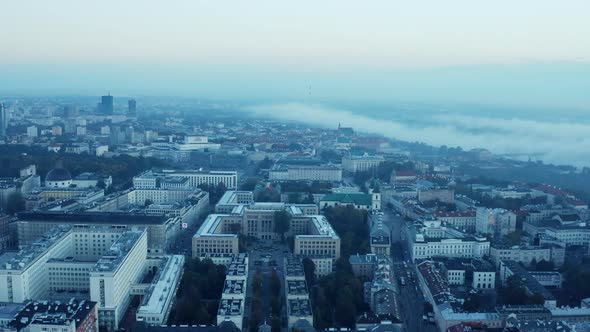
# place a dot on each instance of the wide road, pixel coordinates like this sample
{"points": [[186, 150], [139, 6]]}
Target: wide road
{"points": [[411, 297], [259, 252]]}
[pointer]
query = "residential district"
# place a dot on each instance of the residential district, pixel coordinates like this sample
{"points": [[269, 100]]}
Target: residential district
{"points": [[123, 216]]}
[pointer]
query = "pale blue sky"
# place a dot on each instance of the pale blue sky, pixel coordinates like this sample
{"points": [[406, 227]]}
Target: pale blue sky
{"points": [[379, 33], [200, 47]]}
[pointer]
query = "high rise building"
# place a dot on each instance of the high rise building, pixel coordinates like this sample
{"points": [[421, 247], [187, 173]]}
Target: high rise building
{"points": [[3, 120], [132, 107], [71, 111], [106, 105]]}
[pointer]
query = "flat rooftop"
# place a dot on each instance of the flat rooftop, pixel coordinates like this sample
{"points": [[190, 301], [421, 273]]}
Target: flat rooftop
{"points": [[234, 287], [299, 307], [124, 218], [296, 287], [230, 307], [112, 258]]}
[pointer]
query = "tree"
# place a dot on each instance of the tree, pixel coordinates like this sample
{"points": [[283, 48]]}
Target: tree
{"points": [[513, 238], [544, 265], [249, 184], [101, 184], [537, 298], [282, 223], [148, 202], [294, 198], [275, 305], [309, 199], [275, 324], [275, 284], [15, 203], [309, 271]]}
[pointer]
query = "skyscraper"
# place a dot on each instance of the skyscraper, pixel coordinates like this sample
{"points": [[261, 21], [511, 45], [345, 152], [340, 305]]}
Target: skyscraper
{"points": [[3, 120], [106, 105], [132, 107]]}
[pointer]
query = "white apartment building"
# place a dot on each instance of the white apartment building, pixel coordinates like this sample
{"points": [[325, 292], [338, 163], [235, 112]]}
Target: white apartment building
{"points": [[457, 219], [526, 254], [434, 240], [159, 196], [149, 180], [322, 240], [115, 273], [570, 235], [496, 222], [24, 275], [219, 232], [361, 163], [32, 131], [157, 303], [103, 261], [331, 173]]}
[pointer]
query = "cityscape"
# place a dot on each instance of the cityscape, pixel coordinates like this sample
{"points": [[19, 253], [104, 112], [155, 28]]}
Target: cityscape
{"points": [[311, 167]]}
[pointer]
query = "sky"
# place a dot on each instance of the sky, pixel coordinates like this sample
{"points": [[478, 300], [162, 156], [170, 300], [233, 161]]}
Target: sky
{"points": [[308, 34], [525, 65], [453, 50]]}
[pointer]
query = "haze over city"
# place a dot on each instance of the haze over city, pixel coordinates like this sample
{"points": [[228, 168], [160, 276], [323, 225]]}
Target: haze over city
{"points": [[306, 166]]}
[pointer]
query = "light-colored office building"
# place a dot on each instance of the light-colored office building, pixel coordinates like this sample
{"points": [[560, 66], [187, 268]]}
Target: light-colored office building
{"points": [[150, 180], [528, 254], [433, 240], [115, 272], [495, 222], [463, 220], [363, 201], [157, 303], [313, 234], [281, 172], [361, 163]]}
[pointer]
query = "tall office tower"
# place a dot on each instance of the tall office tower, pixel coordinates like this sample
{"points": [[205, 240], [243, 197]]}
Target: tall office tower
{"points": [[132, 107], [106, 105], [71, 111], [3, 120]]}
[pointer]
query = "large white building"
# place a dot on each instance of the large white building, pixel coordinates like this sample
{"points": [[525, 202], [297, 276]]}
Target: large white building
{"points": [[495, 222], [164, 218], [150, 180], [157, 303], [111, 279], [570, 235], [464, 220], [361, 163], [104, 262], [219, 232], [528, 254], [281, 172], [434, 240]]}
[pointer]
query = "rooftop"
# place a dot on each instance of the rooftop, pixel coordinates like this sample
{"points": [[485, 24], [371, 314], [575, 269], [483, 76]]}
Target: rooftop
{"points": [[299, 307], [230, 307], [56, 313], [112, 258]]}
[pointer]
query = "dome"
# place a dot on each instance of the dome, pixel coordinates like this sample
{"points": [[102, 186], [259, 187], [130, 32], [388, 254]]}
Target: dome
{"points": [[58, 174]]}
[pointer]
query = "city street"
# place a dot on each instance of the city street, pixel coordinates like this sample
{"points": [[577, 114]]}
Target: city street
{"points": [[411, 298], [263, 260]]}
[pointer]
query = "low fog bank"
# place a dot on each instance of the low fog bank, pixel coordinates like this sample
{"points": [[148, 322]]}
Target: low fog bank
{"points": [[554, 142]]}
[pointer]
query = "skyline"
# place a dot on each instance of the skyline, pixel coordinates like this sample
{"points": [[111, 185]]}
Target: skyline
{"points": [[387, 34], [388, 52]]}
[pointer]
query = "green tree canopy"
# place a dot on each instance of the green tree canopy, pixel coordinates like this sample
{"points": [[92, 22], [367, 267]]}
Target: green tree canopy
{"points": [[282, 222]]}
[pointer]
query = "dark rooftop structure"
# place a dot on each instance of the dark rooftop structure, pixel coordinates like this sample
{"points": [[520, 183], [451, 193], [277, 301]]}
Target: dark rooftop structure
{"points": [[124, 218], [55, 313]]}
